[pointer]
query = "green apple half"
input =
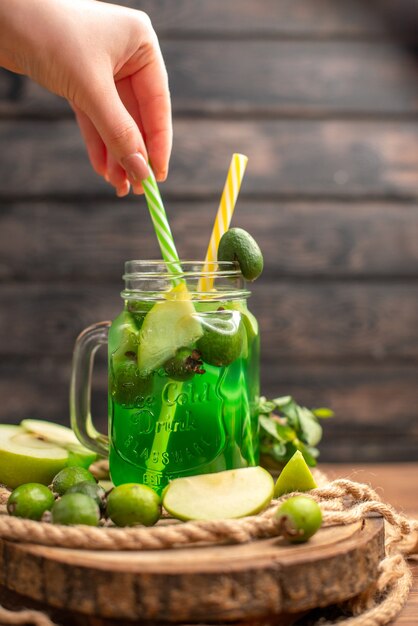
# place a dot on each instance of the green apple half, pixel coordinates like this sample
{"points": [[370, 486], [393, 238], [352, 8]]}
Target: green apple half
{"points": [[56, 433], [224, 495], [37, 450], [63, 437], [24, 458]]}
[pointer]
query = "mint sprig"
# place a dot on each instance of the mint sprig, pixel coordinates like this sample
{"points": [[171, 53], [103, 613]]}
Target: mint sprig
{"points": [[286, 427]]}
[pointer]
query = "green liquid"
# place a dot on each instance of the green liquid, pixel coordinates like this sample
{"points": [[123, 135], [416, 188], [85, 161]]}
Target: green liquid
{"points": [[168, 429]]}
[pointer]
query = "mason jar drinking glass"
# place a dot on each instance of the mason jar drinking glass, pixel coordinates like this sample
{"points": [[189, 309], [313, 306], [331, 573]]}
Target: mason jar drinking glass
{"points": [[183, 369]]}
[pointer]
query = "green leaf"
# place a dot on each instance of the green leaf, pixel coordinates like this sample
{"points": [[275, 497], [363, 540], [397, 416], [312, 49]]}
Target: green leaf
{"points": [[297, 429], [285, 432], [307, 453], [279, 402], [279, 451], [323, 413], [268, 426], [276, 451], [265, 406], [313, 451], [311, 430], [290, 410], [277, 431]]}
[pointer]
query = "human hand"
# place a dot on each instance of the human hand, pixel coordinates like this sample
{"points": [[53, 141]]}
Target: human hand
{"points": [[106, 61]]}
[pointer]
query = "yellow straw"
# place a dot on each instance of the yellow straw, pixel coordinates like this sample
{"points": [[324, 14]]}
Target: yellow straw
{"points": [[224, 215]]}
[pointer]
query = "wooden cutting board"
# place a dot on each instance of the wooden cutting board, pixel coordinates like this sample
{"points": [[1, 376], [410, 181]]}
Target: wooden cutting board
{"points": [[199, 584]]}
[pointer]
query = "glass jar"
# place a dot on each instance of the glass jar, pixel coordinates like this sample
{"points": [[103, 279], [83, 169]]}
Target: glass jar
{"points": [[183, 375]]}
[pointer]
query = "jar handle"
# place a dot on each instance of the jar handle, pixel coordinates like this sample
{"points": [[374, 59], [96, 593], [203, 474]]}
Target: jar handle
{"points": [[85, 348]]}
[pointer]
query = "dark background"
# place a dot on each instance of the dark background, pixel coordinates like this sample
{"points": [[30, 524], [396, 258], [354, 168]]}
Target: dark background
{"points": [[322, 95]]}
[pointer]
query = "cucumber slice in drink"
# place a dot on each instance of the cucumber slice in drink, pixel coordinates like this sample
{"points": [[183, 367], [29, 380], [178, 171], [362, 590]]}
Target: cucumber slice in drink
{"points": [[168, 326], [225, 495], [26, 459]]}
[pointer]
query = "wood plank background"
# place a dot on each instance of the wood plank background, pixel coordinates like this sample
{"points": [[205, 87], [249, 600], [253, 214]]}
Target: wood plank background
{"points": [[323, 97]]}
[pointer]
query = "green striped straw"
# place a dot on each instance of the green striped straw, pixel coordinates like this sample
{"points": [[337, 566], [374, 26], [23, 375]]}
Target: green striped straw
{"points": [[161, 226], [171, 258]]}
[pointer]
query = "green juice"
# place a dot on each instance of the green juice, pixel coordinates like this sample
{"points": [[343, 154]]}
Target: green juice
{"points": [[193, 417]]}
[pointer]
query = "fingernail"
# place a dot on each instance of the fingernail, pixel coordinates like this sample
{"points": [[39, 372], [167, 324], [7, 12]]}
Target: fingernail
{"points": [[138, 189], [162, 176], [123, 190], [136, 167]]}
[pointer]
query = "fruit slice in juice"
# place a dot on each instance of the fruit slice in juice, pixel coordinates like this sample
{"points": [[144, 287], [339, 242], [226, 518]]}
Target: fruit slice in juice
{"points": [[124, 340], [127, 386], [223, 338], [168, 326], [249, 320]]}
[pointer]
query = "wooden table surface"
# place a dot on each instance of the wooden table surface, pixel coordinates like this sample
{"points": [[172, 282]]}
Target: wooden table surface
{"points": [[397, 484]]}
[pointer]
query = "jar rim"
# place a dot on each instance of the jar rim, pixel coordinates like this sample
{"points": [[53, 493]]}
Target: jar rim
{"points": [[153, 279], [166, 269]]}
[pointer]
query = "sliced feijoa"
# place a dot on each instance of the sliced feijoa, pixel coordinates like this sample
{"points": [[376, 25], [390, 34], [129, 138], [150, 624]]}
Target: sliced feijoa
{"points": [[184, 365]]}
